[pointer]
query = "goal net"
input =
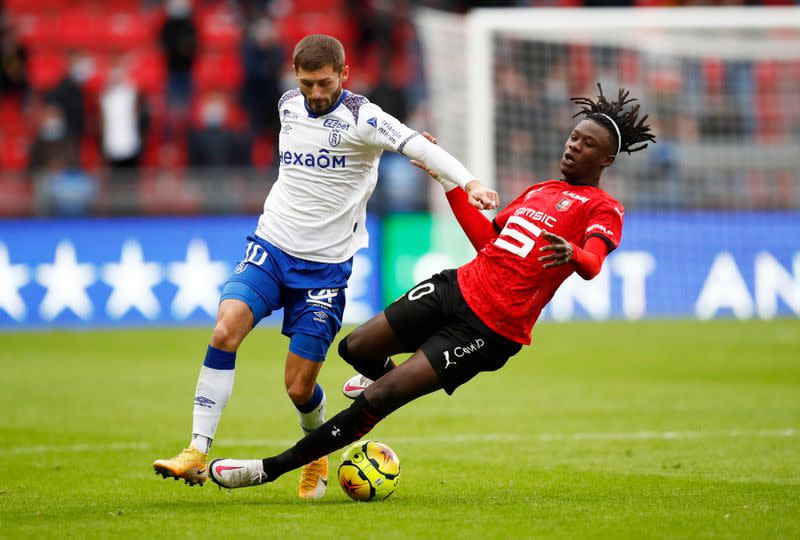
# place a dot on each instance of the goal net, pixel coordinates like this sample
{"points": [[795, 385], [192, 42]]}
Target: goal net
{"points": [[712, 222]]}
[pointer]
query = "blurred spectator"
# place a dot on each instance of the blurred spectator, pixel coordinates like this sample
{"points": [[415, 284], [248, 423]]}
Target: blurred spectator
{"points": [[392, 98], [61, 187], [68, 93], [213, 144], [179, 41], [376, 20], [13, 63], [123, 118], [263, 58]]}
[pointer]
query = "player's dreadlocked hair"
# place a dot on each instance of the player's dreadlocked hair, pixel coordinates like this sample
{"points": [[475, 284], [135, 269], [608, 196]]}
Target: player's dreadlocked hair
{"points": [[630, 131]]}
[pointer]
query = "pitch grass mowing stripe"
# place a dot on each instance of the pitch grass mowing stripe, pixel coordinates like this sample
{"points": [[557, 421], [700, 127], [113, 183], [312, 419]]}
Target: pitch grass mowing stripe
{"points": [[487, 437]]}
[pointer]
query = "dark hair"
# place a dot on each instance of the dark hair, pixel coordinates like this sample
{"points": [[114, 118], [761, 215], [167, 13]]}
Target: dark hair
{"points": [[316, 51], [630, 131]]}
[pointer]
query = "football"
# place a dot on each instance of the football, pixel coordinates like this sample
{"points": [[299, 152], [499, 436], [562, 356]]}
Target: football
{"points": [[370, 471]]}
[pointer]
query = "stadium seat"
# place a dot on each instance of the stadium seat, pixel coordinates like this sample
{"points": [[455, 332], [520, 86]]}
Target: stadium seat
{"points": [[90, 156], [14, 152], [37, 30], [17, 196], [125, 30], [581, 67], [148, 71], [263, 152], [45, 69], [218, 71], [328, 7], [714, 76], [294, 28], [79, 28], [218, 28], [41, 6]]}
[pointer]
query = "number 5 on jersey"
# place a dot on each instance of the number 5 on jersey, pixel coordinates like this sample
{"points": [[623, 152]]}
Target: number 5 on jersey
{"points": [[526, 243]]}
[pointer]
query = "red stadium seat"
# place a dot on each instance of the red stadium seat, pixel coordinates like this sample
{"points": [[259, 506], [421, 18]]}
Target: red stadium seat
{"points": [[294, 28], [219, 27], [45, 69], [125, 30], [17, 195], [148, 71], [263, 154], [12, 117], [41, 6], [79, 28], [37, 30], [315, 6], [90, 155], [14, 152], [581, 68], [218, 71], [714, 76]]}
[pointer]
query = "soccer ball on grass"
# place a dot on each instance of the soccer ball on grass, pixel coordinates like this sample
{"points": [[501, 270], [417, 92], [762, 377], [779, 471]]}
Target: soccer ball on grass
{"points": [[370, 471]]}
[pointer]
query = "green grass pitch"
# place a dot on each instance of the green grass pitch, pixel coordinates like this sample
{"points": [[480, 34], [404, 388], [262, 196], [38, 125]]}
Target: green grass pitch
{"points": [[600, 430]]}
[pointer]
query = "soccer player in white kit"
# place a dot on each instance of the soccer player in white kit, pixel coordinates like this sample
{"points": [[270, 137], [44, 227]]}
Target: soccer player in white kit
{"points": [[300, 255]]}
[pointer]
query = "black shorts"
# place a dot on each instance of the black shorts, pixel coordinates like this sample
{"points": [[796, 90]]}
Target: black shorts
{"points": [[434, 317]]}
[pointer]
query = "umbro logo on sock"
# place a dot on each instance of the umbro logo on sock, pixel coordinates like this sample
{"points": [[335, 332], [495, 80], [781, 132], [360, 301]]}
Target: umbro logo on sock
{"points": [[335, 431], [204, 401]]}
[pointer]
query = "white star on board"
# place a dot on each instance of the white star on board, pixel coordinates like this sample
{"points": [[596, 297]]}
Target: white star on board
{"points": [[66, 281], [12, 277], [133, 281], [198, 280]]}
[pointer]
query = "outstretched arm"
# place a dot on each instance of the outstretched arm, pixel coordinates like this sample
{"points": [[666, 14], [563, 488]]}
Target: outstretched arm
{"points": [[465, 204], [476, 226], [586, 261]]}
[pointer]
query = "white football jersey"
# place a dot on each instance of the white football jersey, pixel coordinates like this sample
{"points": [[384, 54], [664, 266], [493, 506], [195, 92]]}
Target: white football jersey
{"points": [[317, 208]]}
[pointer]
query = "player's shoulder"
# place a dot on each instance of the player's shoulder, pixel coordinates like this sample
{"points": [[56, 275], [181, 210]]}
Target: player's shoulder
{"points": [[355, 103], [288, 96], [606, 200], [603, 203]]}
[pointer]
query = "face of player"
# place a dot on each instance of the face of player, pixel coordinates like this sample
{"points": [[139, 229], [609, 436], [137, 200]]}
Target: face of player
{"points": [[321, 88], [589, 149]]}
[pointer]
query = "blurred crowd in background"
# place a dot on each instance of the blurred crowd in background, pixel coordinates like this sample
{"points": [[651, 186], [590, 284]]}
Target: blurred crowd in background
{"points": [[727, 130], [144, 106]]}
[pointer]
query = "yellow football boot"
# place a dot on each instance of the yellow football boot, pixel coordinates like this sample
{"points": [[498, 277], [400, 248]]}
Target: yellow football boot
{"points": [[314, 479], [191, 465]]}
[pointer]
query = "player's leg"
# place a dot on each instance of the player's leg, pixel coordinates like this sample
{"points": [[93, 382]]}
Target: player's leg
{"points": [[369, 349], [251, 294], [402, 327], [312, 318], [300, 377], [412, 379], [214, 387]]}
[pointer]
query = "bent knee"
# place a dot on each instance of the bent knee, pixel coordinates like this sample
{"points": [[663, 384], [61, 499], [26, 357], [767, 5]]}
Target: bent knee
{"points": [[227, 336], [299, 392]]}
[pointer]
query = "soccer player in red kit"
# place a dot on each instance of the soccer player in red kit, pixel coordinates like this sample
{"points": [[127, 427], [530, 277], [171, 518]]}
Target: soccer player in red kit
{"points": [[461, 322]]}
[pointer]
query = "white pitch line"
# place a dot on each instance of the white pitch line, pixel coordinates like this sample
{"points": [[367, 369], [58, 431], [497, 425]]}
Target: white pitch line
{"points": [[453, 438], [74, 448]]}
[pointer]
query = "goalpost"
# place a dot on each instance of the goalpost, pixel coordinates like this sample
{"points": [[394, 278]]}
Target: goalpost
{"points": [[722, 87], [646, 50]]}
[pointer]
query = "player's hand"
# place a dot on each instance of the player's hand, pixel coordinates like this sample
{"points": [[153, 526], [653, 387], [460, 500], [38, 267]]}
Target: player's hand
{"points": [[433, 174], [561, 251], [430, 137], [481, 197]]}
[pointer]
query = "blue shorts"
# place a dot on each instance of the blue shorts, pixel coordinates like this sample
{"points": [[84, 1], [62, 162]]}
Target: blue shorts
{"points": [[310, 293]]}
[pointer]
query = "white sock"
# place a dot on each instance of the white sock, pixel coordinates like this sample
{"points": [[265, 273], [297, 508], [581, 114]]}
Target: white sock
{"points": [[214, 387], [311, 420]]}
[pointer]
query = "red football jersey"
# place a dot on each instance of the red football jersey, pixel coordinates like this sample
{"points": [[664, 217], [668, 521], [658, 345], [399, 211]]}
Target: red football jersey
{"points": [[506, 285]]}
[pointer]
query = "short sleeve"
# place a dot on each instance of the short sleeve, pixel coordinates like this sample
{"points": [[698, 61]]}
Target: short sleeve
{"points": [[605, 221], [379, 129]]}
